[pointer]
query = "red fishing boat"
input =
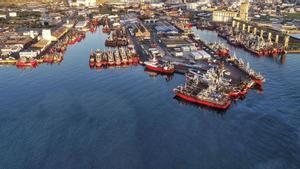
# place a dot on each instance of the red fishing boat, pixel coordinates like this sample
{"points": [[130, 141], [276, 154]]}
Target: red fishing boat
{"points": [[210, 103], [24, 62], [161, 67], [48, 59], [197, 90]]}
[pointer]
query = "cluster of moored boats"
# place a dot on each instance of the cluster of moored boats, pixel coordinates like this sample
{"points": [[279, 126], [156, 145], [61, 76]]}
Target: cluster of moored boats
{"points": [[256, 77], [117, 57], [211, 88], [250, 42], [52, 55]]}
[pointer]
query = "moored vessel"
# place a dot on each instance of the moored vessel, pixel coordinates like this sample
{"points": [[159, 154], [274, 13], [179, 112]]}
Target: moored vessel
{"points": [[98, 58], [92, 60], [198, 90], [110, 57], [123, 55], [161, 67], [117, 58], [26, 62]]}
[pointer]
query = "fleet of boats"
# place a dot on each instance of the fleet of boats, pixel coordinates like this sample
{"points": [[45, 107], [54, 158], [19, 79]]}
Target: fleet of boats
{"points": [[54, 54], [250, 42], [117, 57], [256, 77], [211, 88], [204, 89]]}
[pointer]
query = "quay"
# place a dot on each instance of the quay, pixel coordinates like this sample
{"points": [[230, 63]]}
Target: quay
{"points": [[214, 78], [233, 72]]}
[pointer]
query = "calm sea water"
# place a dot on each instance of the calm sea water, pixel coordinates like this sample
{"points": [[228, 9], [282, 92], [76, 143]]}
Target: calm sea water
{"points": [[68, 116]]}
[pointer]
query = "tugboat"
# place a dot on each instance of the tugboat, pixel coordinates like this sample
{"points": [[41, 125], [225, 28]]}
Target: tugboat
{"points": [[98, 58], [166, 67], [111, 60], [197, 90], [123, 56], [117, 58], [25, 62]]}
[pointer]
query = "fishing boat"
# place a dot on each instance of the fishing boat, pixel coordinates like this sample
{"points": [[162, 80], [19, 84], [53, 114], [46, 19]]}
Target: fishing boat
{"points": [[161, 67], [98, 58], [111, 60], [104, 59], [117, 58], [106, 29], [92, 60], [123, 55], [256, 77], [26, 62], [129, 56], [198, 89], [131, 51], [48, 58], [58, 58]]}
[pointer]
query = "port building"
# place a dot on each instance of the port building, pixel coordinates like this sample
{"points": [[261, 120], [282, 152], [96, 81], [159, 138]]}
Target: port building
{"points": [[223, 16], [244, 8]]}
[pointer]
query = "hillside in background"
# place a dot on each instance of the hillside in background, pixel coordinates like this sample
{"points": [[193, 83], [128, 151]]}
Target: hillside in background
{"points": [[20, 2]]}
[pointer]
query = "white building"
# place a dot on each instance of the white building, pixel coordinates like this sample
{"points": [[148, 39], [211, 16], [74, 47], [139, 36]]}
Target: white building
{"points": [[195, 5], [31, 33], [46, 34], [12, 14], [3, 16], [8, 50], [30, 53], [81, 24], [200, 54], [88, 3], [223, 16]]}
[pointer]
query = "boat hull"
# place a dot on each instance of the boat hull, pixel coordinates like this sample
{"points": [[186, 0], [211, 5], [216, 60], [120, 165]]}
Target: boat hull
{"points": [[202, 102], [160, 69]]}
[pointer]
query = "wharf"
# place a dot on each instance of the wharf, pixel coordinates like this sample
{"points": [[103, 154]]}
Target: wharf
{"points": [[183, 64]]}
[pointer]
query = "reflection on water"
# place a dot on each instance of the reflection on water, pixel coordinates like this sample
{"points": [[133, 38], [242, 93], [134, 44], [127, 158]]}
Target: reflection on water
{"points": [[68, 116], [201, 107], [154, 74]]}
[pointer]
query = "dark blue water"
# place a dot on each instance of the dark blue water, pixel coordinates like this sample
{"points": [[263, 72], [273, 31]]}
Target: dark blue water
{"points": [[67, 117]]}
